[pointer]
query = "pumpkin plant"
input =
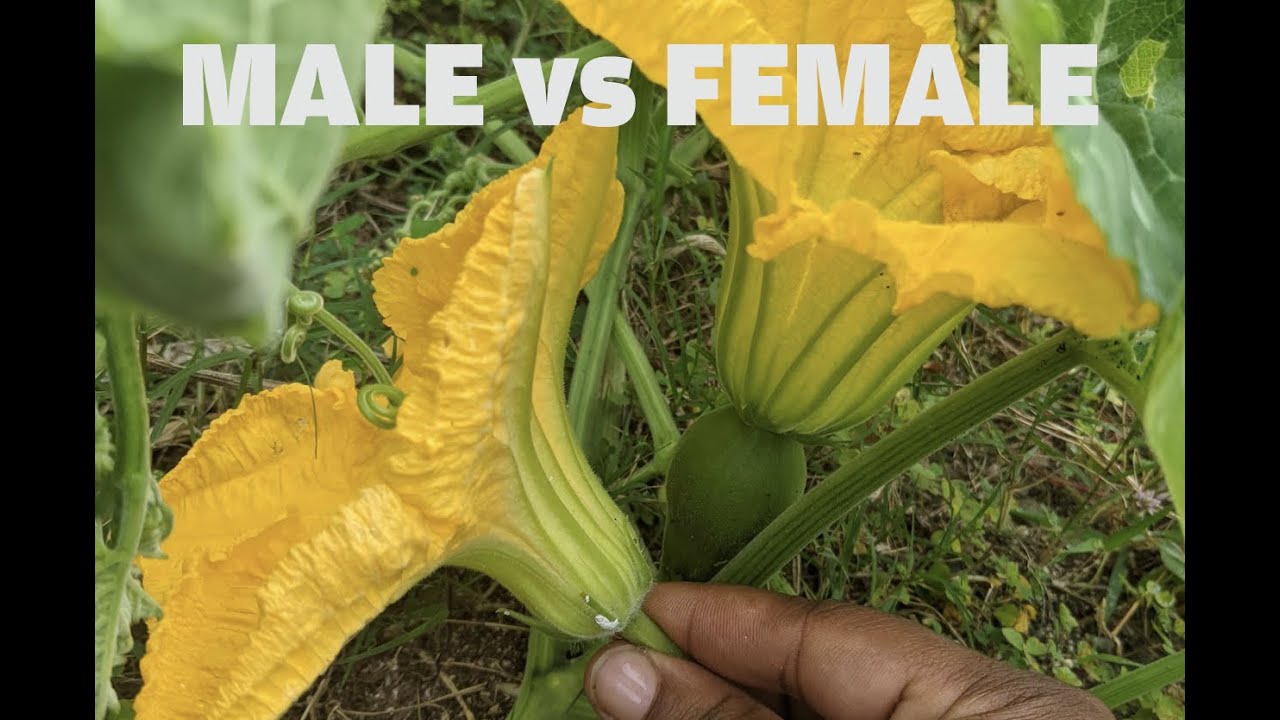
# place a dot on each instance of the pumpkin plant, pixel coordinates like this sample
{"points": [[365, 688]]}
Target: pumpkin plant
{"points": [[853, 252]]}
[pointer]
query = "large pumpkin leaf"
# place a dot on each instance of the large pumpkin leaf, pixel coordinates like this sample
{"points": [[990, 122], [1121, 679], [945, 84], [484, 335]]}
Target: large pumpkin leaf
{"points": [[1130, 169], [199, 222]]}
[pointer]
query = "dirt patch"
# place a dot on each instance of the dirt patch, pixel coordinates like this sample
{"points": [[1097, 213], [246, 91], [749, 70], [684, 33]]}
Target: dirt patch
{"points": [[466, 667]]}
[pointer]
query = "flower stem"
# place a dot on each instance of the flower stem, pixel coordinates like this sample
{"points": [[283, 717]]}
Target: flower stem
{"points": [[133, 472], [644, 631], [353, 341], [509, 142], [876, 466]]}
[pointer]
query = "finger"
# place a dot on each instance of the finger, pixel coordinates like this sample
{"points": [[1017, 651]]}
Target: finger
{"points": [[624, 682], [846, 661]]}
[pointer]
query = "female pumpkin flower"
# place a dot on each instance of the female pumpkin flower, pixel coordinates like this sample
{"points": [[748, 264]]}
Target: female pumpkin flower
{"points": [[297, 521], [855, 249]]}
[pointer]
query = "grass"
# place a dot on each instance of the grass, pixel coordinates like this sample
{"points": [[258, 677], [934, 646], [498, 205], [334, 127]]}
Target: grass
{"points": [[1039, 538]]}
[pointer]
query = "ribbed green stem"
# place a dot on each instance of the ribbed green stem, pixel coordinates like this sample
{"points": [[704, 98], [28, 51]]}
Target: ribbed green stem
{"points": [[876, 466], [375, 141], [600, 323], [133, 472]]}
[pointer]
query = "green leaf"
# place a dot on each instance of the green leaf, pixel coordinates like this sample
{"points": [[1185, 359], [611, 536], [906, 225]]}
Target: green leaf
{"points": [[1065, 675], [1035, 647], [1129, 170], [1007, 614], [1165, 416], [199, 222]]}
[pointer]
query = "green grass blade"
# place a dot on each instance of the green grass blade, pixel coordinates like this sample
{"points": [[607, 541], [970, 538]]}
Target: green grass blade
{"points": [[1135, 684], [657, 413]]}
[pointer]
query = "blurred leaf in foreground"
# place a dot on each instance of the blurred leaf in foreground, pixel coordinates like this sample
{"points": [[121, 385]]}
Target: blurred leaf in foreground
{"points": [[199, 222]]}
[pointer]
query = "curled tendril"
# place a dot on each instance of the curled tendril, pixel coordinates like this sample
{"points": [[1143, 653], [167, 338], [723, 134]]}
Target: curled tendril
{"points": [[293, 339], [305, 304], [382, 415]]}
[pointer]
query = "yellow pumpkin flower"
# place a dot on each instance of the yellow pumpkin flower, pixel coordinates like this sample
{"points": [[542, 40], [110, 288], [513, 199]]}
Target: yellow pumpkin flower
{"points": [[297, 521], [855, 249]]}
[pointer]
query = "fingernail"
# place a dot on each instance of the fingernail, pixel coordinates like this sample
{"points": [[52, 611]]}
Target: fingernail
{"points": [[623, 683]]}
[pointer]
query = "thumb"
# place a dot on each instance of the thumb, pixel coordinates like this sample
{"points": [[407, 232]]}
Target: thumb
{"points": [[625, 682]]}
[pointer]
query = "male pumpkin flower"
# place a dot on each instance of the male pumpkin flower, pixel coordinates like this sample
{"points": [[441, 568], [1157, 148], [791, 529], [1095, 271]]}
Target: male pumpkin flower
{"points": [[297, 521], [877, 239]]}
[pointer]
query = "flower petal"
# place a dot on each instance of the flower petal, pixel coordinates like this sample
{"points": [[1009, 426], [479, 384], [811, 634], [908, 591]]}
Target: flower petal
{"points": [[823, 163], [484, 417], [1033, 262], [291, 450], [887, 190], [415, 281], [285, 543], [246, 631]]}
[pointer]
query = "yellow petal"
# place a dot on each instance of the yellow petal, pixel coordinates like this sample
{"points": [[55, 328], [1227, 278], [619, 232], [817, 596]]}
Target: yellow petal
{"points": [[822, 163], [285, 542], [484, 419], [246, 631], [297, 521], [275, 454], [414, 282], [1030, 263], [887, 191], [806, 344], [332, 375]]}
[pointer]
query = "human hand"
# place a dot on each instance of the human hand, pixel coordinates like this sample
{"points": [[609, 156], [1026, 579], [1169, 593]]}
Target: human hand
{"points": [[758, 655]]}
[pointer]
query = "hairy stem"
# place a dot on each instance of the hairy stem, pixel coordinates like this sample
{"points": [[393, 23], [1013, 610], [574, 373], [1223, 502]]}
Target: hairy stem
{"points": [[133, 475]]}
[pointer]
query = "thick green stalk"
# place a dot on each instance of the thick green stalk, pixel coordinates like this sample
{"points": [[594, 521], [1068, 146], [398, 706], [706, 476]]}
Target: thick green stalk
{"points": [[375, 141], [876, 466], [1134, 684], [648, 392], [509, 142], [133, 470]]}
